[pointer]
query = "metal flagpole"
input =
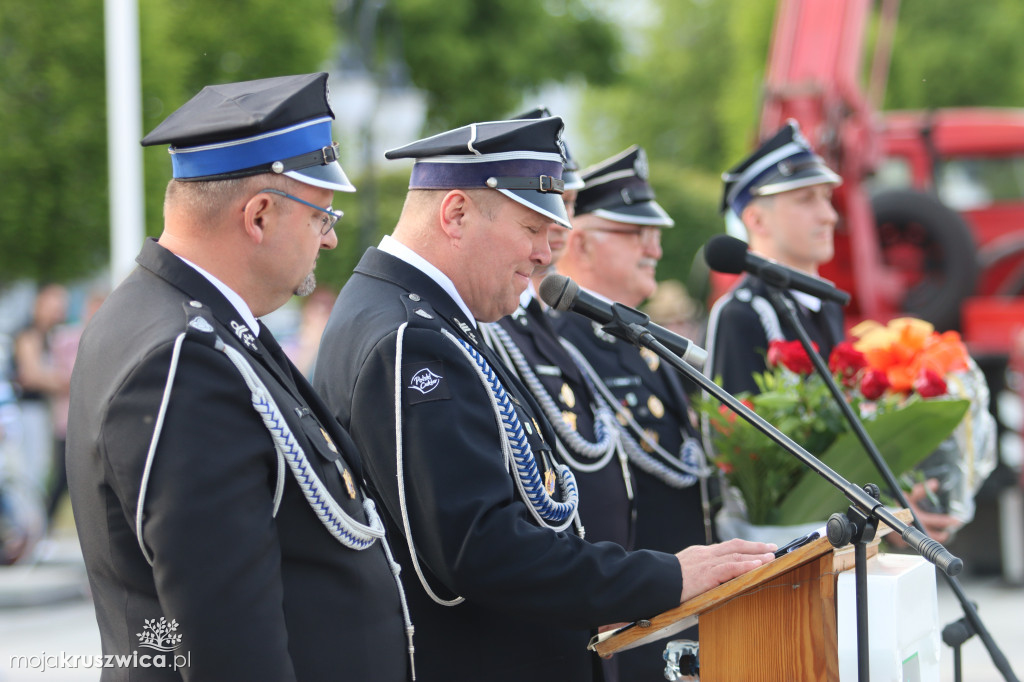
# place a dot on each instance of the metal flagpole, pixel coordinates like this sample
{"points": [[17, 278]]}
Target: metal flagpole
{"points": [[124, 130]]}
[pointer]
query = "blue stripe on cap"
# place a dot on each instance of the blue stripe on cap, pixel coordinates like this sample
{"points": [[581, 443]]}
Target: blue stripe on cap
{"points": [[764, 168], [434, 175], [250, 152]]}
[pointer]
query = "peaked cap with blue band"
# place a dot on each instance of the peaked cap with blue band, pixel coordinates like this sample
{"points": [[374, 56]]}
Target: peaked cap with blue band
{"points": [[273, 125], [783, 163], [522, 159], [570, 169], [617, 189]]}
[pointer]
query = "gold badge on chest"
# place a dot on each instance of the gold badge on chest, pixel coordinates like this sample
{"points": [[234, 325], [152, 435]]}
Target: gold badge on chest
{"points": [[651, 358], [567, 396], [569, 418], [624, 414], [327, 438], [549, 482], [656, 407], [652, 437], [350, 485]]}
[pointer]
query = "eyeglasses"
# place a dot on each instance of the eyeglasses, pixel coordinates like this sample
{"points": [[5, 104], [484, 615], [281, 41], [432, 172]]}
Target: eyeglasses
{"points": [[645, 234], [331, 217]]}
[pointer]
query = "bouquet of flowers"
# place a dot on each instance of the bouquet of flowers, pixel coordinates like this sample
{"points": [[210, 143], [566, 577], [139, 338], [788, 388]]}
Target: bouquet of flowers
{"points": [[896, 378]]}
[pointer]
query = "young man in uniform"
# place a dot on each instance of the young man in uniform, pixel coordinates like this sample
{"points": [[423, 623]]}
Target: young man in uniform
{"points": [[781, 198]]}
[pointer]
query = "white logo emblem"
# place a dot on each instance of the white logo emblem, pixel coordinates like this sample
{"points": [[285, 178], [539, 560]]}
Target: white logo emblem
{"points": [[798, 136], [244, 335], [640, 164], [159, 634], [200, 324], [562, 148], [425, 381]]}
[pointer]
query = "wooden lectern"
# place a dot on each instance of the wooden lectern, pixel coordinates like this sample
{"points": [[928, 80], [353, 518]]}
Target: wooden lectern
{"points": [[777, 622]]}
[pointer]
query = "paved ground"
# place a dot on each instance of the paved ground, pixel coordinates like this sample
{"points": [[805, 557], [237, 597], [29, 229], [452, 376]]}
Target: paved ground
{"points": [[45, 610]]}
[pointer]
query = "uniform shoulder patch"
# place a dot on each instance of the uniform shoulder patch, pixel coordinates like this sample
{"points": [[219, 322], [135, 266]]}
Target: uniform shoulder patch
{"points": [[419, 313], [425, 381]]}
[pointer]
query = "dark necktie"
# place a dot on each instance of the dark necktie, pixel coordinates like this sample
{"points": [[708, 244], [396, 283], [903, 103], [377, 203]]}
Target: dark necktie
{"points": [[277, 355]]}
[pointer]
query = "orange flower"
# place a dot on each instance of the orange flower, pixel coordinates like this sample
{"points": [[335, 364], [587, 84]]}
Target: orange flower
{"points": [[906, 347]]}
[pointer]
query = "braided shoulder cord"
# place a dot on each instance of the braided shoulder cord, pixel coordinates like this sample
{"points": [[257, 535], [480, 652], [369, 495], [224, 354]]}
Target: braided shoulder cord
{"points": [[347, 530], [605, 428], [546, 511], [400, 472], [678, 472], [344, 528]]}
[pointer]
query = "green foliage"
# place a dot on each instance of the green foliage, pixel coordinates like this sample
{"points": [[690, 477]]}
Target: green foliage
{"points": [[691, 197], [777, 488], [904, 438], [53, 200], [691, 95], [799, 407], [53, 154], [476, 59], [356, 229], [951, 54]]}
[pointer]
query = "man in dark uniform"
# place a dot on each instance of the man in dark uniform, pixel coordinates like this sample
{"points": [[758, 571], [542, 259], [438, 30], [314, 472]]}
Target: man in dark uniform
{"points": [[533, 351], [587, 434], [613, 252], [780, 200], [217, 501], [457, 449]]}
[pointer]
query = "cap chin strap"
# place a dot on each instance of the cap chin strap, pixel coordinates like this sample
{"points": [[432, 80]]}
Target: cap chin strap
{"points": [[546, 184]]}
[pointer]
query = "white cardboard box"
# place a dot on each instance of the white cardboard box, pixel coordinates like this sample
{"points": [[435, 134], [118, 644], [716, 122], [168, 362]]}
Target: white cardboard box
{"points": [[903, 620]]}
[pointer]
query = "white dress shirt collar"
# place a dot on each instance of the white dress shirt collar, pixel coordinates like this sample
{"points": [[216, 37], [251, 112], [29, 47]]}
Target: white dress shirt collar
{"points": [[392, 246], [234, 299]]}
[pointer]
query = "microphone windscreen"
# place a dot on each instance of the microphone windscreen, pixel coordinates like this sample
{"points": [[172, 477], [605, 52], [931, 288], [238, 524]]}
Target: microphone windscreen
{"points": [[727, 254], [558, 291]]}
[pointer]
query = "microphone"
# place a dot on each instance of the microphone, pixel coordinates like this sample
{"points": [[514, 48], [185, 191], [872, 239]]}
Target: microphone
{"points": [[728, 254], [561, 293]]}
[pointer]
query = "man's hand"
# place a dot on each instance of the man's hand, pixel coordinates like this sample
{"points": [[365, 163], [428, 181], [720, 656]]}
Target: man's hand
{"points": [[939, 527], [707, 566]]}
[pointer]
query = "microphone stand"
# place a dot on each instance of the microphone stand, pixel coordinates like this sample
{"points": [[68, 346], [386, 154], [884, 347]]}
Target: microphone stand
{"points": [[866, 510], [784, 306]]}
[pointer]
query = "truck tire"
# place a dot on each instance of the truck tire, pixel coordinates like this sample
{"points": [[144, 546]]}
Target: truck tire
{"points": [[931, 247]]}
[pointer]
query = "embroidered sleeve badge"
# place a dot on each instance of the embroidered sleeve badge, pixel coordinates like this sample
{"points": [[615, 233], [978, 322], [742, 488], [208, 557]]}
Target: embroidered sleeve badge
{"points": [[425, 381]]}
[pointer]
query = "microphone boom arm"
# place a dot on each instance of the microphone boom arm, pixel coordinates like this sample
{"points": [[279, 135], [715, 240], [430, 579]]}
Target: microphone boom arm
{"points": [[785, 308]]}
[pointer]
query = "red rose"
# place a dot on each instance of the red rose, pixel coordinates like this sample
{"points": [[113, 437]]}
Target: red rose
{"points": [[873, 384], [845, 362], [929, 384], [791, 355]]}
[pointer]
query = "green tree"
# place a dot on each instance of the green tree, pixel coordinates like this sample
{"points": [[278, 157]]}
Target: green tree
{"points": [[53, 150], [476, 59], [53, 201], [949, 54], [689, 95]]}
